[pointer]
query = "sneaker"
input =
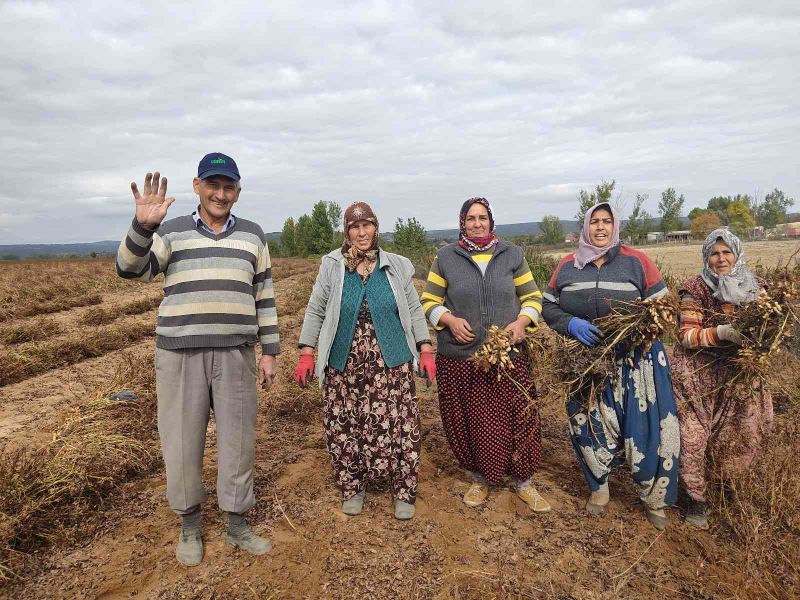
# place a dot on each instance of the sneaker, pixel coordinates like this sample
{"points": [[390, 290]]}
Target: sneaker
{"points": [[354, 504], [657, 517], [531, 496], [476, 494], [403, 510], [697, 514], [189, 551], [249, 541]]}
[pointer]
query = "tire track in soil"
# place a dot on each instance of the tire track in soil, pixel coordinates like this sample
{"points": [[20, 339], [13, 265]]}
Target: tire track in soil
{"points": [[447, 551]]}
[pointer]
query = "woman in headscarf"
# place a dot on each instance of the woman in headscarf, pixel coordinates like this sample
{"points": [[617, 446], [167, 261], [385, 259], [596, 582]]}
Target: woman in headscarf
{"points": [[634, 419], [717, 423], [491, 426], [365, 320]]}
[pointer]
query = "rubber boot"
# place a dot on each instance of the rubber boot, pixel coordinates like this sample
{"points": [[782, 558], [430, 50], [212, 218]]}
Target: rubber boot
{"points": [[354, 504], [403, 510], [240, 535], [597, 502], [697, 514], [657, 517], [189, 550]]}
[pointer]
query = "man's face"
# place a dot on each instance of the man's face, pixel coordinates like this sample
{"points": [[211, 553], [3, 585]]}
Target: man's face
{"points": [[217, 196]]}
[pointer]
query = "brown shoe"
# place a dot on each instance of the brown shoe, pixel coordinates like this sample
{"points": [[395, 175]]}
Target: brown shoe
{"points": [[476, 494], [531, 496]]}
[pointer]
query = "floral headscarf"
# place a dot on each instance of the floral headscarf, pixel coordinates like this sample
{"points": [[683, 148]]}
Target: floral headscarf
{"points": [[737, 287], [475, 243], [588, 252], [359, 211]]}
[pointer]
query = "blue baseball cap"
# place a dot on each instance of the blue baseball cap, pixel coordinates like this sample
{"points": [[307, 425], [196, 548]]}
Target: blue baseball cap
{"points": [[217, 163]]}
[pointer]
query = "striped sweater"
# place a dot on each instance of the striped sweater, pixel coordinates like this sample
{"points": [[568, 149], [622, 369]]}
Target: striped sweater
{"points": [[482, 287], [628, 274], [217, 288]]}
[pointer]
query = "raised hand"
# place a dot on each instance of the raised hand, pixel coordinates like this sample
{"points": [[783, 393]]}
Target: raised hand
{"points": [[151, 207]]}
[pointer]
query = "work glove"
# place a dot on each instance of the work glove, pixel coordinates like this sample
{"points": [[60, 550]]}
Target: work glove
{"points": [[304, 370], [427, 366], [728, 333], [583, 331]]}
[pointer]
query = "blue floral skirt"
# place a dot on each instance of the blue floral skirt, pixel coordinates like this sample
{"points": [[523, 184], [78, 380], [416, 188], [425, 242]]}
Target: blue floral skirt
{"points": [[633, 421]]}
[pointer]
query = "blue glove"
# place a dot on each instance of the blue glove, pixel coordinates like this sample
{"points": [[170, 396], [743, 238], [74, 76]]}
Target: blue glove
{"points": [[583, 331]]}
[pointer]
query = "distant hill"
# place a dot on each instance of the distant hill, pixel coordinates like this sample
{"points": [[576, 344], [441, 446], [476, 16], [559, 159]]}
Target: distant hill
{"points": [[110, 246], [81, 249]]}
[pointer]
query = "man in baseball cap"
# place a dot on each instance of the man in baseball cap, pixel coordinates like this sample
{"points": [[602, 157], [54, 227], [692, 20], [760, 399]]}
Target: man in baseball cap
{"points": [[218, 304]]}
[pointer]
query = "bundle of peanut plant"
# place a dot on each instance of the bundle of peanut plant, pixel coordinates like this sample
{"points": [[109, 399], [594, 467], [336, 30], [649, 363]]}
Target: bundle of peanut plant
{"points": [[766, 324], [632, 325], [496, 352]]}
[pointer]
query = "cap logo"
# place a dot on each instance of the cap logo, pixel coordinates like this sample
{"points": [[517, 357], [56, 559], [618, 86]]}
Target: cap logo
{"points": [[218, 161]]}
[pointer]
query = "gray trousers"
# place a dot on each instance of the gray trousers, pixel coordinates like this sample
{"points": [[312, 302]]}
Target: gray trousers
{"points": [[188, 383]]}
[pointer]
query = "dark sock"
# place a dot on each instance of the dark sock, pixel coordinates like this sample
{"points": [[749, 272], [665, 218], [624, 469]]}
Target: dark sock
{"points": [[191, 520], [236, 524]]}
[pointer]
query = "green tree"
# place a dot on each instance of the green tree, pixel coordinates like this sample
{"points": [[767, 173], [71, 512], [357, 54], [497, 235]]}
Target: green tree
{"points": [[600, 193], [288, 238], [741, 217], [409, 236], [334, 212], [320, 229], [552, 230], [719, 204], [302, 236], [773, 209], [703, 224], [670, 210], [640, 222]]}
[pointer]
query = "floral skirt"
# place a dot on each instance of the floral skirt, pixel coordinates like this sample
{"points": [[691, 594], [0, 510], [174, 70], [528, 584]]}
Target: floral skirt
{"points": [[633, 421], [372, 419], [719, 425], [492, 428]]}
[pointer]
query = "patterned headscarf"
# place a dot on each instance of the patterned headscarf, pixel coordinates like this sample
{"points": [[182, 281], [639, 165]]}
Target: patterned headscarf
{"points": [[359, 211], [588, 252], [475, 243], [737, 287]]}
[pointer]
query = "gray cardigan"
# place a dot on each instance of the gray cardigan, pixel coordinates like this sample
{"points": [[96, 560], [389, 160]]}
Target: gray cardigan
{"points": [[322, 312]]}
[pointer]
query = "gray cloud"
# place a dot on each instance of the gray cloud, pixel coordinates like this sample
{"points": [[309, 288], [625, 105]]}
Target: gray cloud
{"points": [[409, 108]]}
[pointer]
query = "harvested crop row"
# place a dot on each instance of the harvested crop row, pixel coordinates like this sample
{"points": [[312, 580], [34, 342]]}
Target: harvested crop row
{"points": [[31, 308], [103, 316], [39, 357], [35, 331], [38, 287], [44, 494]]}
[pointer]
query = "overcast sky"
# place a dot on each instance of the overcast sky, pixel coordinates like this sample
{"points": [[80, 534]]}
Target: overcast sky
{"points": [[408, 106]]}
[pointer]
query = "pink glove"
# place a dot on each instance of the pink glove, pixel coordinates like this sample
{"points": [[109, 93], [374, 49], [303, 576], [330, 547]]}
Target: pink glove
{"points": [[427, 365], [304, 370]]}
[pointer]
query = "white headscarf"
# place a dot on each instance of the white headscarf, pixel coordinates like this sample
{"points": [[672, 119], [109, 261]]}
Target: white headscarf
{"points": [[737, 287]]}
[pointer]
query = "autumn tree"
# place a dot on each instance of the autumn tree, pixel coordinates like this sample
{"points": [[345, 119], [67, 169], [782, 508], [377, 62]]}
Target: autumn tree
{"points": [[703, 224], [740, 217]]}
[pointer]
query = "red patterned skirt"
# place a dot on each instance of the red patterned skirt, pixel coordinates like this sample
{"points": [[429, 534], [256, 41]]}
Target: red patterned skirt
{"points": [[372, 419], [492, 428]]}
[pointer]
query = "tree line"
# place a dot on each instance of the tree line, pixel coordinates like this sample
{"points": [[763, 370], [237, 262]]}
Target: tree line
{"points": [[318, 233], [741, 213]]}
